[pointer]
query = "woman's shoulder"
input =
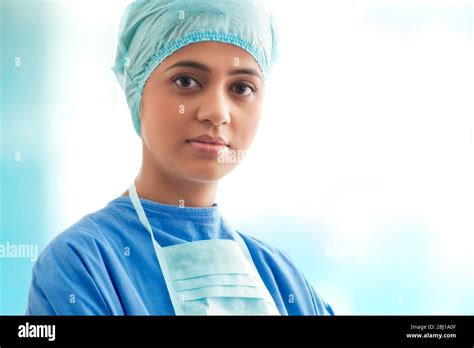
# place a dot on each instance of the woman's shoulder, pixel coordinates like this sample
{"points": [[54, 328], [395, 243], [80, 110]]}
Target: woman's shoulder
{"points": [[72, 263], [90, 231], [71, 241], [283, 268]]}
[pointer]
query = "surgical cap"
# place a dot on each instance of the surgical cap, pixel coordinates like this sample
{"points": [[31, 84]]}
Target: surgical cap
{"points": [[152, 30]]}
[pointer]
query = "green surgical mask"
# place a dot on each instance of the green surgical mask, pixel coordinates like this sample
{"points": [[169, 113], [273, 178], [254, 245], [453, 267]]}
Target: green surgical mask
{"points": [[210, 277]]}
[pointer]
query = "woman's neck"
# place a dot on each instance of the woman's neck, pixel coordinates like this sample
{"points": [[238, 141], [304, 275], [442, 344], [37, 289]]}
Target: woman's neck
{"points": [[156, 185]]}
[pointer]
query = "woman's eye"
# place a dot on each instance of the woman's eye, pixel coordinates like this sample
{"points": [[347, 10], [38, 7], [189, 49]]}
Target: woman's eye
{"points": [[186, 82], [244, 89]]}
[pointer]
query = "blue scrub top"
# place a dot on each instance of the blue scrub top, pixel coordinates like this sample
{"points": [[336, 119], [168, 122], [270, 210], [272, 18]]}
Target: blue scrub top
{"points": [[105, 263]]}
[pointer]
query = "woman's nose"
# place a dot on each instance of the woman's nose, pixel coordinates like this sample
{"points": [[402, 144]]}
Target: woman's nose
{"points": [[215, 108]]}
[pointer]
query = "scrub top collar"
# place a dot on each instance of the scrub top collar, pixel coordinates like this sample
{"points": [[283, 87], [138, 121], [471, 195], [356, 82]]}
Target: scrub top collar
{"points": [[184, 213]]}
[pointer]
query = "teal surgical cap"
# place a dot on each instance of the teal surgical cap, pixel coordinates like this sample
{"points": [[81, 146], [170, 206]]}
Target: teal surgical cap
{"points": [[152, 30]]}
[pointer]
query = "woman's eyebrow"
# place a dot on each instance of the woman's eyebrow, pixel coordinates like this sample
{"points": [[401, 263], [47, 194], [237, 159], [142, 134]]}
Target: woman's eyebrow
{"points": [[205, 68]]}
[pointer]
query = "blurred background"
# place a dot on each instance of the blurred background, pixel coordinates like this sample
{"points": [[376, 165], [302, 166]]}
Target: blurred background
{"points": [[374, 198]]}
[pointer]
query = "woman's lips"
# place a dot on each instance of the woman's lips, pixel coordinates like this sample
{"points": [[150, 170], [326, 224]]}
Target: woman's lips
{"points": [[207, 148]]}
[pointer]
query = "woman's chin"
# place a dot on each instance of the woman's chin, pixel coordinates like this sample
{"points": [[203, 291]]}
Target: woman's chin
{"points": [[207, 172]]}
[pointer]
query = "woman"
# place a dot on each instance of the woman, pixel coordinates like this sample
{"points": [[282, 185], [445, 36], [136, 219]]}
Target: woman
{"points": [[194, 74]]}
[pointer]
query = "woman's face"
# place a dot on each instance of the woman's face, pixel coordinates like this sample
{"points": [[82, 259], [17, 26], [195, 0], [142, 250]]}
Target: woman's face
{"points": [[206, 88]]}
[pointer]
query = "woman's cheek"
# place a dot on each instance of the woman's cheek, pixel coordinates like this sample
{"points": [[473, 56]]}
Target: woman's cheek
{"points": [[247, 130], [254, 121]]}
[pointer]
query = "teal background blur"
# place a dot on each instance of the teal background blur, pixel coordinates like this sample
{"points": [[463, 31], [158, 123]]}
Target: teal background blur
{"points": [[25, 155], [373, 200]]}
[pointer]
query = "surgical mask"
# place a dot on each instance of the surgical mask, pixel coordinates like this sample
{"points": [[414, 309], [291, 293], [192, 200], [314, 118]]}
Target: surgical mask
{"points": [[210, 277]]}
